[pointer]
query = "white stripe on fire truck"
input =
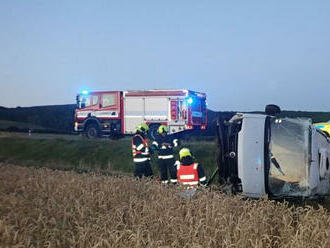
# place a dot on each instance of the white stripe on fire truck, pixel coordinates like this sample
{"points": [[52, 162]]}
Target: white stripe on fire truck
{"points": [[100, 114], [147, 116]]}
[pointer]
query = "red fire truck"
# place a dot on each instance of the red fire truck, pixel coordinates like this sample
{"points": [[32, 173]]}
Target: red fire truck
{"points": [[120, 112]]}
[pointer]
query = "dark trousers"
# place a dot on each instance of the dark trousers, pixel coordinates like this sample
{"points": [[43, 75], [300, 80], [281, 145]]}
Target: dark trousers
{"points": [[167, 165], [143, 169]]}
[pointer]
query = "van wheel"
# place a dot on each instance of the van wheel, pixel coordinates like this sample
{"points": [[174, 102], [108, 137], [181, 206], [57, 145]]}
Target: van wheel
{"points": [[152, 133], [92, 131]]}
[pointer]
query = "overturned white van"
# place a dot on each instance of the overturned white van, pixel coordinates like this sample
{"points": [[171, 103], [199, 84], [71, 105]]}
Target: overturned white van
{"points": [[281, 157]]}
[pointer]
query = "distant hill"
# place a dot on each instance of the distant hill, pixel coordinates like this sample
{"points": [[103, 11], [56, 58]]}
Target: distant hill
{"points": [[315, 116], [60, 118]]}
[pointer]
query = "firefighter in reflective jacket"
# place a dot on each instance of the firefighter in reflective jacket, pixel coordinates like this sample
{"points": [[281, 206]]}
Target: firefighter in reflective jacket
{"points": [[165, 144], [141, 154], [189, 172]]}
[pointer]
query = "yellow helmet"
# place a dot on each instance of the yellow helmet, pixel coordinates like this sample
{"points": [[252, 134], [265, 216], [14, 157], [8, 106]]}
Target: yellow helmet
{"points": [[184, 152], [143, 127], [162, 129]]}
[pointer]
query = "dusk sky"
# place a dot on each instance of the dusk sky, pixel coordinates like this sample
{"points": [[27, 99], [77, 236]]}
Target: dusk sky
{"points": [[242, 54]]}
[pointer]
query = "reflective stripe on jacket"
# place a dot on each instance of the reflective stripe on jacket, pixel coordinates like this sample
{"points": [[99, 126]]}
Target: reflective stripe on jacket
{"points": [[165, 146], [188, 174], [165, 156], [140, 151]]}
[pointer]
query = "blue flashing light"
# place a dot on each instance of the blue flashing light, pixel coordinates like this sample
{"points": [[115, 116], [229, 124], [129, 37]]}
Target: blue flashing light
{"points": [[190, 100], [85, 92]]}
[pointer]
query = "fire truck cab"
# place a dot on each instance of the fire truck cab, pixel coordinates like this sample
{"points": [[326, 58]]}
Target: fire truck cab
{"points": [[112, 113]]}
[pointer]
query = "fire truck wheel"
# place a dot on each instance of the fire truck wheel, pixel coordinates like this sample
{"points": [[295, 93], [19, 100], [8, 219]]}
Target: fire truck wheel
{"points": [[92, 131]]}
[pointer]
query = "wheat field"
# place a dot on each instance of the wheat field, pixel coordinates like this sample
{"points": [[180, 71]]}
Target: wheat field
{"points": [[45, 208]]}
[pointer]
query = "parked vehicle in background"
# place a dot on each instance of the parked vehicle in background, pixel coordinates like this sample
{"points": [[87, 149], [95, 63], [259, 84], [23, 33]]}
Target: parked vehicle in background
{"points": [[119, 112]]}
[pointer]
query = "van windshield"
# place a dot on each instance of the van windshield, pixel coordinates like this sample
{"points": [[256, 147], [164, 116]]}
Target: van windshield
{"points": [[289, 155]]}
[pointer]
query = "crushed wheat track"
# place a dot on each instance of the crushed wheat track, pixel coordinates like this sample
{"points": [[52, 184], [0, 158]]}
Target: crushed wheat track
{"points": [[46, 208]]}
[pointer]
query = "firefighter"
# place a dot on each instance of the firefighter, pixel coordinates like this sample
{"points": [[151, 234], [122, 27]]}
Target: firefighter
{"points": [[165, 144], [189, 172], [141, 154]]}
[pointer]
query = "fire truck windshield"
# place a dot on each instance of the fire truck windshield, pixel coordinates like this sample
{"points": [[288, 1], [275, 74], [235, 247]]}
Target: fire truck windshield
{"points": [[289, 154], [84, 101]]}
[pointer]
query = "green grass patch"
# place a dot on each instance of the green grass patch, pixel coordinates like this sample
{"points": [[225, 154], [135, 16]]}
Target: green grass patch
{"points": [[83, 154], [4, 124]]}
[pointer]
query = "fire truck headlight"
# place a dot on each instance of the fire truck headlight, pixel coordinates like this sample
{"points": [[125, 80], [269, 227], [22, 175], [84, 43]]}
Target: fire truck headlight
{"points": [[190, 100], [76, 126]]}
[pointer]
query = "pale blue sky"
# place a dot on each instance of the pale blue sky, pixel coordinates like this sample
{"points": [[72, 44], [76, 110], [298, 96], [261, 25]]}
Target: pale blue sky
{"points": [[243, 54]]}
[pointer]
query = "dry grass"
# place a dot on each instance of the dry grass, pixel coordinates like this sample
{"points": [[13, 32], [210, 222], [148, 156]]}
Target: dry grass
{"points": [[44, 208]]}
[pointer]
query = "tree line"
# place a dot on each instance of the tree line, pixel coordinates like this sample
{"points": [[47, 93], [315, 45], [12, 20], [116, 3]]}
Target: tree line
{"points": [[60, 118]]}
